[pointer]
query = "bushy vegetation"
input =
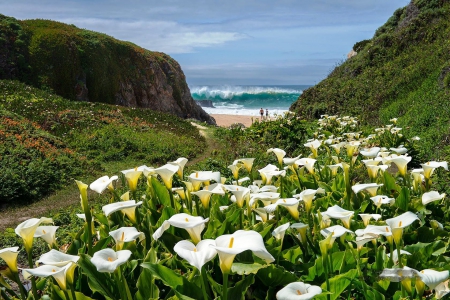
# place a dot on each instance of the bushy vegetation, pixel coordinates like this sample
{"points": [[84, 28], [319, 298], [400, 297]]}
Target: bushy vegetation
{"points": [[47, 140], [403, 71], [346, 221]]}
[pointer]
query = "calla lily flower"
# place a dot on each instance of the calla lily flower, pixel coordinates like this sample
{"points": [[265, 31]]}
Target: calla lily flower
{"points": [[132, 178], [335, 168], [229, 245], [197, 178], [336, 212], [307, 196], [103, 183], [27, 229], [9, 255], [370, 153], [262, 214], [128, 207], [335, 232], [280, 231], [234, 170], [268, 172], [398, 274], [247, 162], [291, 204], [308, 163], [399, 150], [298, 291], [371, 188], [314, 145], [240, 193], [301, 229], [280, 153], [193, 225], [398, 223], [57, 258], [431, 196], [204, 196], [265, 197], [47, 233], [429, 167], [401, 163], [372, 170], [395, 255], [442, 289], [378, 200], [166, 173], [366, 218], [180, 163], [59, 273], [352, 146], [126, 234], [337, 147], [196, 255], [107, 260], [291, 161], [432, 278]]}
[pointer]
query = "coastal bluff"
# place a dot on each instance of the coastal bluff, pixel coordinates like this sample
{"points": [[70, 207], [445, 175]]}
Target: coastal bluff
{"points": [[83, 65]]}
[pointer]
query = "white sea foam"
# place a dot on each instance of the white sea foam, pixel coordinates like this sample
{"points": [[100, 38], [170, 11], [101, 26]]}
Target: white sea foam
{"points": [[241, 111]]}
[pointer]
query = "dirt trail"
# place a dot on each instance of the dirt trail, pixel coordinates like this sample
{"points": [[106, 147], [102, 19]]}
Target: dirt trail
{"points": [[211, 144]]}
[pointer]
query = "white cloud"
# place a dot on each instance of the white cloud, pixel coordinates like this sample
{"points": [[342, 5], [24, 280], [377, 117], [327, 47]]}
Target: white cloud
{"points": [[164, 36]]}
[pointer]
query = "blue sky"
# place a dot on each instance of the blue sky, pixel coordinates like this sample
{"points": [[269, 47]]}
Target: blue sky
{"points": [[238, 42]]}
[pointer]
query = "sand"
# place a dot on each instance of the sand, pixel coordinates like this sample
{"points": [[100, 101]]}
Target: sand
{"points": [[227, 120]]}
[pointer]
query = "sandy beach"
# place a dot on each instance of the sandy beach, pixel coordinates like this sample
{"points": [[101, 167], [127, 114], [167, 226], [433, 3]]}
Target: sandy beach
{"points": [[227, 120]]}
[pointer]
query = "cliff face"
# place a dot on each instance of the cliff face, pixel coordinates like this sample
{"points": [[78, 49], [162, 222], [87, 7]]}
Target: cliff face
{"points": [[88, 66]]}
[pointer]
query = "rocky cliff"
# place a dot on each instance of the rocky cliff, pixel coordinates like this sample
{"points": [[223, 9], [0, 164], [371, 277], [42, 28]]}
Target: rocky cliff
{"points": [[89, 66]]}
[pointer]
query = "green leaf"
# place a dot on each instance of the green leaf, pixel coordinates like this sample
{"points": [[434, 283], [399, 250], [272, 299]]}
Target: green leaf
{"points": [[180, 285], [240, 288], [403, 199], [147, 288], [390, 187], [246, 269], [161, 192], [338, 284], [98, 282], [274, 275]]}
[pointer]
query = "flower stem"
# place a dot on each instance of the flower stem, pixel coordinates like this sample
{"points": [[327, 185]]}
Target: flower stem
{"points": [[23, 293], [225, 287], [33, 280], [204, 283], [123, 286]]}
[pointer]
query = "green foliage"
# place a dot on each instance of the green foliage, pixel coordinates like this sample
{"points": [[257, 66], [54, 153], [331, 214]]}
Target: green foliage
{"points": [[48, 140], [401, 72], [33, 163]]}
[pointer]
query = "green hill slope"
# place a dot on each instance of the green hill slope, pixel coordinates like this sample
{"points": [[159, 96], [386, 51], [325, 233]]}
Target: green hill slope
{"points": [[84, 65], [46, 140], [403, 71]]}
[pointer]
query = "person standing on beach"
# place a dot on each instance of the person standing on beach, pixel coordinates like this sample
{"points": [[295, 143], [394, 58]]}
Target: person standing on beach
{"points": [[261, 112], [267, 114]]}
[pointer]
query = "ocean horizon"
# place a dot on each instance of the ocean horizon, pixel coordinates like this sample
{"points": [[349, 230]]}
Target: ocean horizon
{"points": [[247, 99]]}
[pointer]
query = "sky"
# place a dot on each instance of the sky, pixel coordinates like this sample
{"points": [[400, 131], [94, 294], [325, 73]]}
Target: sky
{"points": [[235, 42]]}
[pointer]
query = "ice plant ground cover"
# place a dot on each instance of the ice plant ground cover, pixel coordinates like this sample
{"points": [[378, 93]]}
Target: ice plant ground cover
{"points": [[349, 232]]}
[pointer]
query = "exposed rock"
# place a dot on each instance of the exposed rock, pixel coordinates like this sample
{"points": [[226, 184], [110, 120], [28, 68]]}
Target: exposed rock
{"points": [[351, 54], [205, 103]]}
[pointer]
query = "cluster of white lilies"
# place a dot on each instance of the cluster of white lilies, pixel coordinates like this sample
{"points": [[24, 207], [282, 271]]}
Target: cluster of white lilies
{"points": [[312, 199]]}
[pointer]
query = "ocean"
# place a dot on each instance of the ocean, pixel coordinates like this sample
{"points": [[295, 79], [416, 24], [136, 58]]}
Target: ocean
{"points": [[247, 100]]}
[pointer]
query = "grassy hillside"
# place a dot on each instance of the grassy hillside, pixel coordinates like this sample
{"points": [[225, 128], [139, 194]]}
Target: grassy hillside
{"points": [[47, 140], [403, 71]]}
